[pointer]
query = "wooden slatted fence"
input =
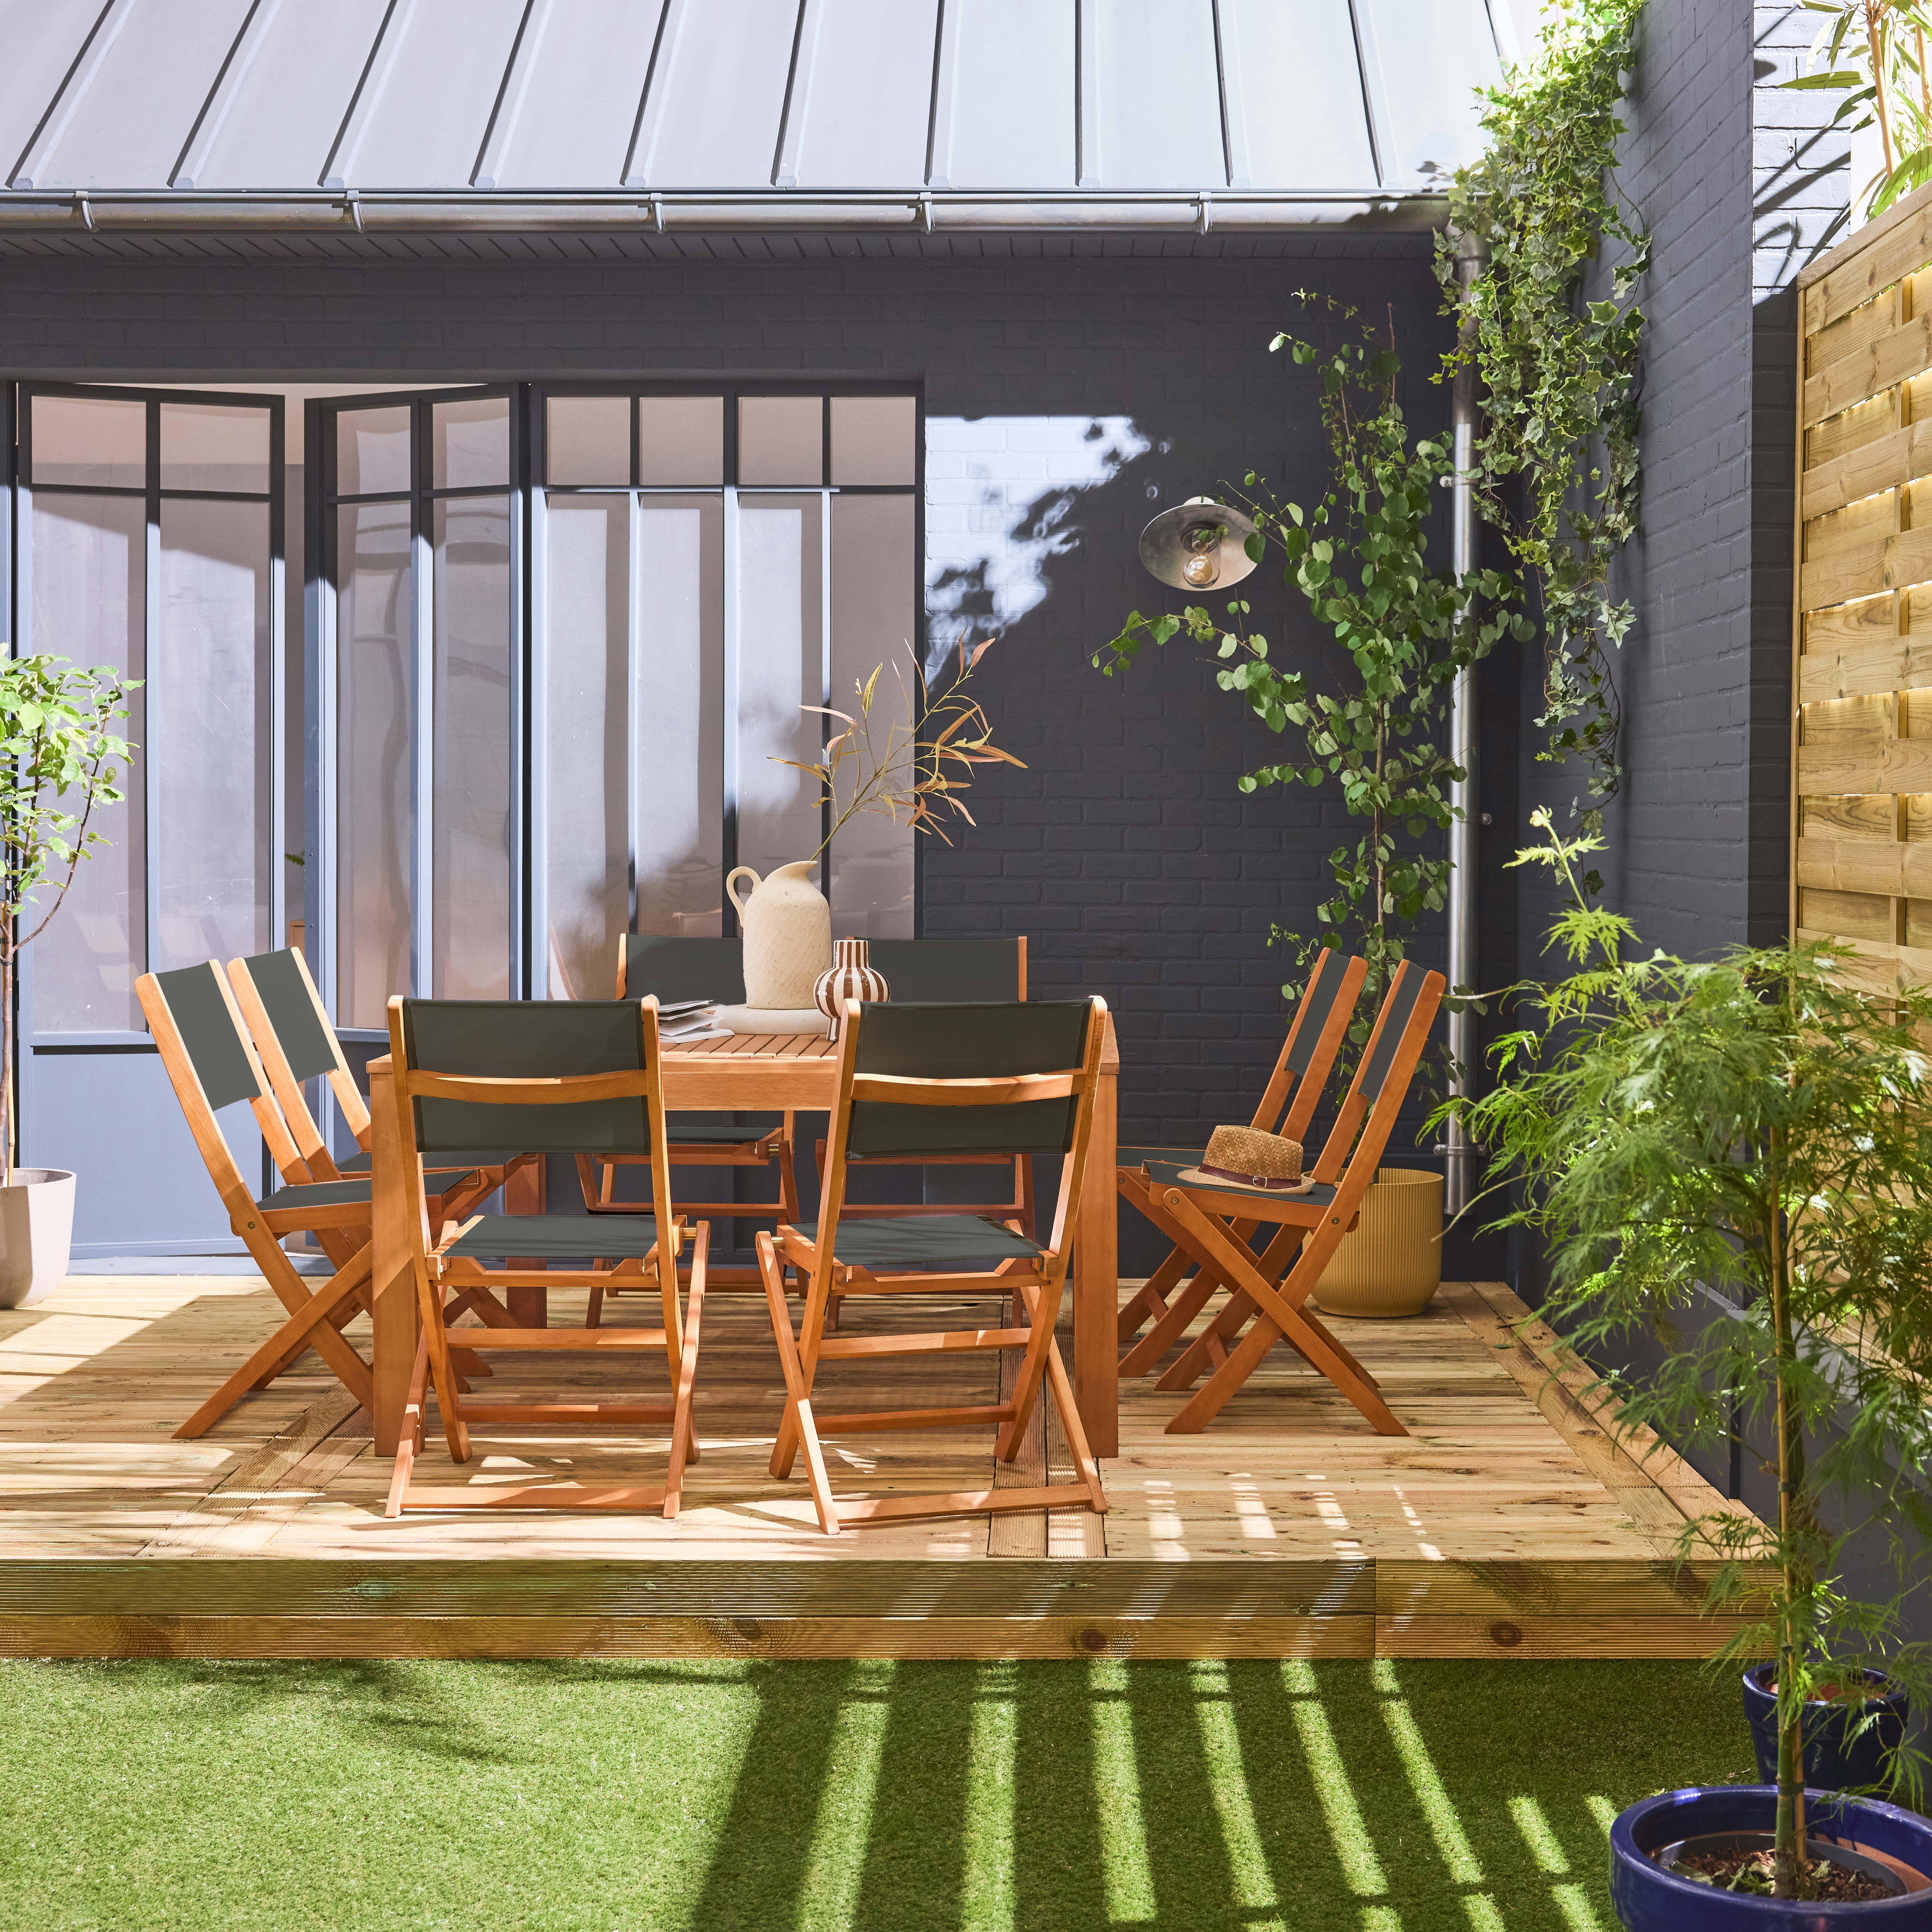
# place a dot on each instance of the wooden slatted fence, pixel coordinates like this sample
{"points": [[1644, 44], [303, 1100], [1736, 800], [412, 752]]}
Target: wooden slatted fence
{"points": [[1861, 683]]}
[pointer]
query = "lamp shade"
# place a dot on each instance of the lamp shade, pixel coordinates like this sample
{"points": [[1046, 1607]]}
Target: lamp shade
{"points": [[1197, 545]]}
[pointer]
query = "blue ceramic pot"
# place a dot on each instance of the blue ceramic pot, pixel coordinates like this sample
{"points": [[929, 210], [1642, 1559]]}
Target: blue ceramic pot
{"points": [[1831, 1763], [1649, 1899]]}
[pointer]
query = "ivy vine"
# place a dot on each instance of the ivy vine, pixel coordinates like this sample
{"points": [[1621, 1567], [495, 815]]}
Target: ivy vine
{"points": [[1556, 452], [1359, 557]]}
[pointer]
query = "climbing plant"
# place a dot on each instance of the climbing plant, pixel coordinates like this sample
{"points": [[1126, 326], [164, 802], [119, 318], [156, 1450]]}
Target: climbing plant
{"points": [[1359, 557], [1555, 457]]}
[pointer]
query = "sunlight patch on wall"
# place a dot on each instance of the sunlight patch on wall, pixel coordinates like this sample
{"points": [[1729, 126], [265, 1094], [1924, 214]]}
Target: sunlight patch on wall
{"points": [[1002, 501]]}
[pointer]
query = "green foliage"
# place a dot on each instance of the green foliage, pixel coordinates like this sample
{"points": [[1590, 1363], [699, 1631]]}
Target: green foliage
{"points": [[1359, 556], [1758, 1127], [1873, 52], [61, 756], [1556, 469]]}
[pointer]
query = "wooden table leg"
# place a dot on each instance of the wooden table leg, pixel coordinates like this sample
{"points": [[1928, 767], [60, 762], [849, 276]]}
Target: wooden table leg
{"points": [[1096, 1270], [525, 1193], [393, 1322]]}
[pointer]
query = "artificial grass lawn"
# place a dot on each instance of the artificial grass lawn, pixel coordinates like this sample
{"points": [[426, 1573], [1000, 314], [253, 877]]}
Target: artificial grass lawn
{"points": [[643, 1797]]}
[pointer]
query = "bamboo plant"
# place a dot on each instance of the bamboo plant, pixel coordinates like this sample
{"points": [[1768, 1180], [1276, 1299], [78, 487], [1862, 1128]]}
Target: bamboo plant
{"points": [[62, 758], [1737, 1156], [1874, 52]]}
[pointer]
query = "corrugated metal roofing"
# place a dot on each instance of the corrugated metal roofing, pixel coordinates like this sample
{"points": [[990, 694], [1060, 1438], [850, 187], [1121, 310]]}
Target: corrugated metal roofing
{"points": [[773, 112]]}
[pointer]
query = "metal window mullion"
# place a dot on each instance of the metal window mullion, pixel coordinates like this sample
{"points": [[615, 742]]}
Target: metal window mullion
{"points": [[278, 678], [422, 698], [634, 672], [322, 611], [825, 679], [729, 917], [152, 747], [521, 937], [537, 743]]}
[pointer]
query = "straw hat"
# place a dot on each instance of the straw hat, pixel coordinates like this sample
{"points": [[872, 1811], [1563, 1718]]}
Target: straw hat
{"points": [[1251, 1159]]}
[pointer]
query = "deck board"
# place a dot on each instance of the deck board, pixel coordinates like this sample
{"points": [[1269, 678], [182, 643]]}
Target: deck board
{"points": [[1515, 1519]]}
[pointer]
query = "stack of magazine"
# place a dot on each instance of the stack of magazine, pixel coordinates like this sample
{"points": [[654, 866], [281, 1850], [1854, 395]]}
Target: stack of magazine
{"points": [[681, 1022]]}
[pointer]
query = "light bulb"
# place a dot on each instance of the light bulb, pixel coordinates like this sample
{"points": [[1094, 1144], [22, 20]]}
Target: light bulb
{"points": [[1203, 569]]}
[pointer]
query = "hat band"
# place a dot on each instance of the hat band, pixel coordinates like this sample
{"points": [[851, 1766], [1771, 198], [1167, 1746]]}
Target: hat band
{"points": [[1247, 1180]]}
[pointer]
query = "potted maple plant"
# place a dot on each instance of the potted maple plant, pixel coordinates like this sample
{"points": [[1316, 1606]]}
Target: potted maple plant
{"points": [[61, 757], [1736, 1156]]}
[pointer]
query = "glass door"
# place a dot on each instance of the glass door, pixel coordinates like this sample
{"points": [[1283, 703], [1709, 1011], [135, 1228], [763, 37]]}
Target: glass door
{"points": [[416, 626], [151, 539]]}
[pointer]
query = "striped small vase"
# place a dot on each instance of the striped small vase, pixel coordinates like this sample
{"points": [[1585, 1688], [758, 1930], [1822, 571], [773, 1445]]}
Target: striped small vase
{"points": [[851, 978]]}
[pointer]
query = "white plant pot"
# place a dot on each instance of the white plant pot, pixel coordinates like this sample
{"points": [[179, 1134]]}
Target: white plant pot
{"points": [[787, 928], [36, 1234], [1392, 1263]]}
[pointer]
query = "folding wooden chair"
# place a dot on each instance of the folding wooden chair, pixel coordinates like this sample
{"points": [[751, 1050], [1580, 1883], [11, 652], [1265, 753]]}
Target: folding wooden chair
{"points": [[949, 971], [544, 1077], [921, 1081], [1268, 1292], [192, 1016], [669, 969], [1315, 1036], [294, 1042]]}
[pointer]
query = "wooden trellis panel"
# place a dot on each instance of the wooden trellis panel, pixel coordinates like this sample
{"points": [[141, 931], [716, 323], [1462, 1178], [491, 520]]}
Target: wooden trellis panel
{"points": [[1861, 679]]}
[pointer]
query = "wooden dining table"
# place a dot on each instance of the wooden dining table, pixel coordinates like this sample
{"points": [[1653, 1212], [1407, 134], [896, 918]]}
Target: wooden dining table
{"points": [[750, 1073]]}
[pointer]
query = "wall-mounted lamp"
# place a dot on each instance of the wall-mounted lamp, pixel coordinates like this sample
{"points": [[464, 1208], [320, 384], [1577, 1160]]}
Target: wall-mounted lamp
{"points": [[1197, 545]]}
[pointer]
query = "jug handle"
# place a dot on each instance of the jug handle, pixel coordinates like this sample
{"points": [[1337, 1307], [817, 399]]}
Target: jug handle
{"points": [[731, 886]]}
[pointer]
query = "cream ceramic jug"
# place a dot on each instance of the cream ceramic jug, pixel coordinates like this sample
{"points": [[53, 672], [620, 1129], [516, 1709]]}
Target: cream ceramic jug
{"points": [[787, 928]]}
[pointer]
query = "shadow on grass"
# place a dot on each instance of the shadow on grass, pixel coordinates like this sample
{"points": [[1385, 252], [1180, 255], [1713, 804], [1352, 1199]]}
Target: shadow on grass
{"points": [[719, 1798]]}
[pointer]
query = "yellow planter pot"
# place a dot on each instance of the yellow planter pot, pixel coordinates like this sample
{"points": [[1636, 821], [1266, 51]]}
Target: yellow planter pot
{"points": [[1392, 1263]]}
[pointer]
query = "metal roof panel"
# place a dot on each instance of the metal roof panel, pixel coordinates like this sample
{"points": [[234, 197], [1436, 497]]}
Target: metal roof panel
{"points": [[1296, 91], [1427, 58], [131, 100], [1006, 106], [588, 62], [865, 118], [42, 43], [1156, 87], [718, 95]]}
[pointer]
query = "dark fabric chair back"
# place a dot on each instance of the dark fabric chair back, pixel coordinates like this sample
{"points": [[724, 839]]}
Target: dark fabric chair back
{"points": [[214, 1043], [980, 1040], [527, 1039], [1400, 1003], [683, 969], [952, 969], [1317, 1004], [307, 1043]]}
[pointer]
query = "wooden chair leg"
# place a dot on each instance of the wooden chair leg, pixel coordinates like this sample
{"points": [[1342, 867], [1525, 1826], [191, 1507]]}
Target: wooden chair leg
{"points": [[1150, 1298], [286, 1345], [798, 1419], [683, 1429], [1043, 1310], [410, 1440], [1060, 1388]]}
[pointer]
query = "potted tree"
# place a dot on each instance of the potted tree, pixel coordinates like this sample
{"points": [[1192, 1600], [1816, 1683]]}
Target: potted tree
{"points": [[1406, 630], [1737, 1156], [61, 757]]}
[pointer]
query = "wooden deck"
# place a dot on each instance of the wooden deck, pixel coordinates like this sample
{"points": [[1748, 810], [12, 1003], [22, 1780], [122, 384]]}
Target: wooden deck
{"points": [[1509, 1522]]}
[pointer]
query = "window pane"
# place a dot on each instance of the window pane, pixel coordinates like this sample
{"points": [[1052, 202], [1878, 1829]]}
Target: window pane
{"points": [[680, 736], [782, 439], [587, 854], [587, 438], [873, 621], [374, 822], [372, 451], [874, 439], [208, 709], [781, 667], [681, 440], [86, 560], [469, 916], [470, 443], [89, 440], [204, 447]]}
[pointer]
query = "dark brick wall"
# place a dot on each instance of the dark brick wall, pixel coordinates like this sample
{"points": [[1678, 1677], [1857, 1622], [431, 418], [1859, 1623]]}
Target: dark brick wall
{"points": [[1124, 851]]}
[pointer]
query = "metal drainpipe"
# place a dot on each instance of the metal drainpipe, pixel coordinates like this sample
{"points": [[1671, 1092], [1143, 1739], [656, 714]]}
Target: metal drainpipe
{"points": [[1465, 833]]}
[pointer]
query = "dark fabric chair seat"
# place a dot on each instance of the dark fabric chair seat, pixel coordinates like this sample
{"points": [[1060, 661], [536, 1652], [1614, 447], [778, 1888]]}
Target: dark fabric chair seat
{"points": [[1167, 1173], [1139, 1156], [934, 1241], [437, 1163], [558, 1237], [315, 1194]]}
